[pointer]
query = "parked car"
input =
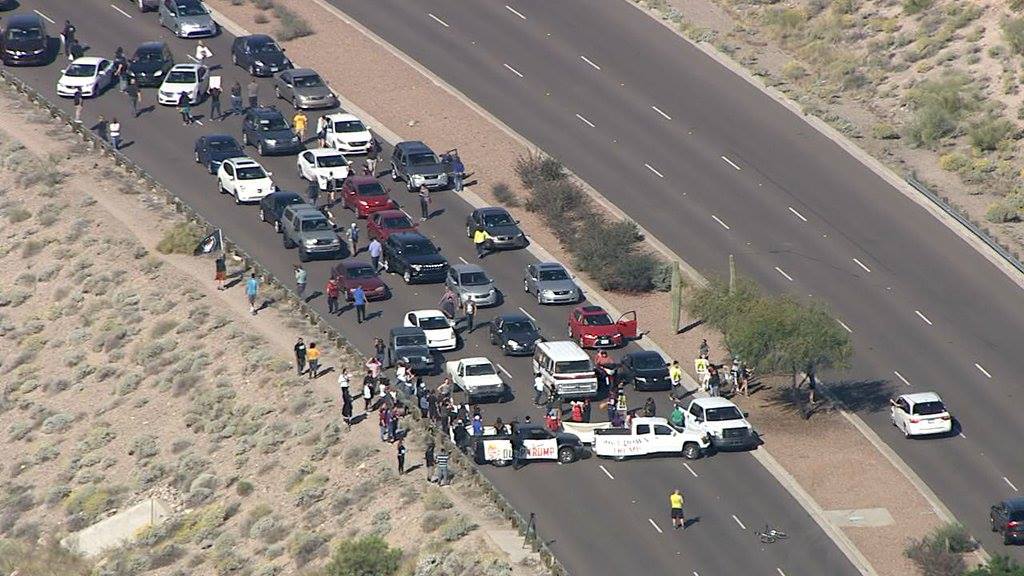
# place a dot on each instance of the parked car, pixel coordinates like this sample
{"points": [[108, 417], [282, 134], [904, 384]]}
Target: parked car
{"points": [[551, 283], [186, 18], [244, 179], [259, 54], [24, 41], [364, 195], [193, 80], [503, 230], [515, 334], [90, 73], [592, 327], [306, 227], [266, 129], [272, 206], [409, 345], [150, 62], [478, 379], [414, 256], [644, 370], [647, 436], [304, 88], [723, 421], [212, 149], [439, 329], [351, 273], [471, 282], [416, 164], [920, 414], [321, 165], [381, 225], [1007, 518], [347, 133], [146, 5]]}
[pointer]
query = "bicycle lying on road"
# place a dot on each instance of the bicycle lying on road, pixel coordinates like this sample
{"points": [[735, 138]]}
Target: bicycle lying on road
{"points": [[771, 535]]}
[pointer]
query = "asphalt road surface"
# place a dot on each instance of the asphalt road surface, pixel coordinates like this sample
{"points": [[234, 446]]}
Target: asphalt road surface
{"points": [[723, 169], [599, 517]]}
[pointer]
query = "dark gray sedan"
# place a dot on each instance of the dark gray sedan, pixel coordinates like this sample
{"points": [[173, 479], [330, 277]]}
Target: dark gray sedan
{"points": [[304, 88]]}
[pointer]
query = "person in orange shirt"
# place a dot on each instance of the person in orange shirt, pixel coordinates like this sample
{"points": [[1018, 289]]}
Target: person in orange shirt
{"points": [[313, 360], [299, 124]]}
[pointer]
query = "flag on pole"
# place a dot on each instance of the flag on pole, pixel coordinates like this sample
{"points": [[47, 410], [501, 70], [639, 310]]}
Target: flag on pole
{"points": [[212, 243]]}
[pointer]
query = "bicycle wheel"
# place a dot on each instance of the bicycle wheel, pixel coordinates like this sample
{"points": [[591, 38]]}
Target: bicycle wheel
{"points": [[779, 534], [766, 538]]}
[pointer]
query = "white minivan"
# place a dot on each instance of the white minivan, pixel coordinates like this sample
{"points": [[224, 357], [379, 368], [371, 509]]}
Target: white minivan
{"points": [[565, 368]]}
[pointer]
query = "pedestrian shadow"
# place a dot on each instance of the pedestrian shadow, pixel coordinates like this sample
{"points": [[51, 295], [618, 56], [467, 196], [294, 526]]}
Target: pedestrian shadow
{"points": [[690, 522], [357, 419], [435, 213], [373, 315], [236, 279], [325, 371], [146, 109], [267, 303], [312, 296], [413, 467], [126, 144]]}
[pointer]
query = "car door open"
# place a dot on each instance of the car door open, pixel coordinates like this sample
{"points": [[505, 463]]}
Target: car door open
{"points": [[628, 325]]}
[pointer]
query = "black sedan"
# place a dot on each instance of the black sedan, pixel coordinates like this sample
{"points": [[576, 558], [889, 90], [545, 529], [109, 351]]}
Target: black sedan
{"points": [[503, 230], [212, 149], [273, 205], [515, 334], [149, 64], [259, 54], [267, 130], [645, 370]]}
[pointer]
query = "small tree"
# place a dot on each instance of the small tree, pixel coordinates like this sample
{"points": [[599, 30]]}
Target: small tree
{"points": [[998, 566], [369, 556]]}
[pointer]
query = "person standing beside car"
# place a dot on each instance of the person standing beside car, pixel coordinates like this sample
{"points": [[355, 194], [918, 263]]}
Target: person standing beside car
{"points": [[236, 98], [299, 125], [333, 292], [215, 113], [372, 156], [134, 96], [121, 69], [424, 196], [185, 107], [457, 170], [375, 250], [359, 300], [67, 36]]}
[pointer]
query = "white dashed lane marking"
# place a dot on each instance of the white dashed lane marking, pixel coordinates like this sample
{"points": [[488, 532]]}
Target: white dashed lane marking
{"points": [[585, 121], [651, 168], [731, 163], [513, 70], [1010, 484], [514, 11], [502, 368], [658, 110], [738, 522], [900, 376], [861, 264], [923, 317], [982, 369], [125, 14], [528, 315], [843, 324], [45, 17], [798, 215], [438, 20], [690, 470], [589, 61], [783, 272], [719, 220], [655, 526], [606, 472]]}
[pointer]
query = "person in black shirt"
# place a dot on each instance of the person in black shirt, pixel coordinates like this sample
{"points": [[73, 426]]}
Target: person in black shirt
{"points": [[68, 36], [300, 356]]}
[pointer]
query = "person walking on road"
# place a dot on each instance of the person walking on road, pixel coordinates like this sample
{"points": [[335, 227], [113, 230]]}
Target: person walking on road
{"points": [[424, 196], [220, 271], [675, 374], [202, 53], [299, 125], [332, 292], [313, 360], [300, 280], [400, 451], [300, 356], [121, 69], [313, 192], [538, 389], [253, 92], [359, 300], [185, 107], [214, 93], [236, 99], [714, 380], [353, 237], [457, 171], [67, 36], [114, 130], [79, 101], [675, 501], [252, 288], [470, 310], [134, 97], [321, 131], [375, 250], [372, 157], [480, 241]]}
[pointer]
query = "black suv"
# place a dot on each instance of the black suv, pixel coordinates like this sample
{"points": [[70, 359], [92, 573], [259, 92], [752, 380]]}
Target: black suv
{"points": [[515, 334], [415, 257], [273, 205], [24, 41], [259, 54], [417, 164], [267, 130], [212, 149], [1008, 519], [409, 345], [150, 62]]}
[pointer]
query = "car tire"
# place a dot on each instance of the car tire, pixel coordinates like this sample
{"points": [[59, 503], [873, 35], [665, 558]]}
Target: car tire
{"points": [[238, 201], [409, 186], [263, 215], [252, 70], [540, 301], [295, 103], [245, 139], [691, 451], [209, 168], [220, 188], [394, 173], [141, 4], [566, 455], [385, 264], [906, 432], [407, 276]]}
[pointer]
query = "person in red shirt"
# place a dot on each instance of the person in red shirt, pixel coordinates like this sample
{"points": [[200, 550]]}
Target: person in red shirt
{"points": [[332, 296]]}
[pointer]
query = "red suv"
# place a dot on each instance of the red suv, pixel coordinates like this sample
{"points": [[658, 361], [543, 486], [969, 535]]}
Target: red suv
{"points": [[364, 196], [592, 327], [352, 273], [382, 224]]}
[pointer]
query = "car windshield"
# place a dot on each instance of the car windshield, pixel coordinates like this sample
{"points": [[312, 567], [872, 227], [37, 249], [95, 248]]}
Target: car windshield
{"points": [[361, 272], [519, 326], [413, 340], [80, 70], [191, 9], [268, 48], [574, 367], [433, 322], [371, 189], [553, 274], [1017, 516], [333, 161], [148, 56], [269, 124], [474, 279], [646, 362], [22, 34], [309, 81], [423, 159], [418, 248], [929, 408], [480, 370], [396, 222], [223, 145], [349, 126], [597, 320], [311, 224], [181, 77], [251, 173], [723, 413], [498, 220]]}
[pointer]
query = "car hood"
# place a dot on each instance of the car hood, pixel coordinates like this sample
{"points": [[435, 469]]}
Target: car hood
{"points": [[176, 88], [271, 58], [362, 136], [203, 21], [486, 380], [427, 259], [556, 285], [426, 169], [313, 91], [340, 172], [651, 372], [485, 289], [78, 81], [275, 134], [145, 67], [412, 352], [320, 235], [374, 200], [522, 337], [503, 230], [258, 183], [600, 330], [436, 334], [24, 45], [368, 284]]}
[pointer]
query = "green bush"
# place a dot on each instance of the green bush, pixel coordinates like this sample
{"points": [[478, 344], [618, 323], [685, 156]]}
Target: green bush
{"points": [[934, 555], [939, 106], [503, 193], [989, 132], [1013, 33], [915, 6], [534, 168], [305, 546], [182, 238], [263, 4], [785, 21], [1000, 212], [998, 566], [884, 131], [291, 25], [456, 528], [364, 557], [43, 559], [18, 214]]}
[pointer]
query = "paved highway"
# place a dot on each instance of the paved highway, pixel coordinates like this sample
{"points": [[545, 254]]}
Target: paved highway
{"points": [[724, 169], [601, 517]]}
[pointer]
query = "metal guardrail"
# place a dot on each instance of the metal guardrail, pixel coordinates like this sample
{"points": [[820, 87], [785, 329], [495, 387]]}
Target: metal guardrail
{"points": [[963, 219], [527, 529]]}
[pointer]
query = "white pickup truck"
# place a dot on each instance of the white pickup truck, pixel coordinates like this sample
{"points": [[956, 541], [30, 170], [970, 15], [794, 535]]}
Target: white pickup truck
{"points": [[722, 421], [478, 378], [649, 436]]}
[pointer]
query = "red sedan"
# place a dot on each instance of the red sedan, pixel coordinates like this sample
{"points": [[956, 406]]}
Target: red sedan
{"points": [[382, 224], [592, 327], [364, 196], [352, 273]]}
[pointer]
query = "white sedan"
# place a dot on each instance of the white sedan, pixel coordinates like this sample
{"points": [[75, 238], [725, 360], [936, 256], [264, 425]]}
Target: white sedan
{"points": [[347, 133], [439, 329], [89, 73], [244, 179], [192, 80], [920, 414], [321, 164]]}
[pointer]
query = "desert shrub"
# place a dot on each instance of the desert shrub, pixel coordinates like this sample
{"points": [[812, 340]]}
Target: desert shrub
{"points": [[200, 524], [268, 529], [57, 423], [243, 488], [1001, 212], [503, 193], [46, 558], [380, 525], [939, 106], [989, 132], [939, 553], [456, 528], [31, 248], [954, 162], [633, 272], [56, 494], [305, 546], [434, 499], [182, 238], [18, 214], [535, 168], [554, 200], [369, 555], [915, 6], [144, 446], [291, 25], [260, 18], [263, 4], [884, 131], [1013, 33], [432, 520], [785, 21], [359, 452], [90, 501]]}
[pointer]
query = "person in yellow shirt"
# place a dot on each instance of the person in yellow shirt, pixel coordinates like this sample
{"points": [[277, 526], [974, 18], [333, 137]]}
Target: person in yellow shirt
{"points": [[313, 359], [480, 238], [299, 124], [675, 374], [676, 501]]}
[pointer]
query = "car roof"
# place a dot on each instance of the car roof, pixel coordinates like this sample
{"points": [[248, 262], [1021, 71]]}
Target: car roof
{"points": [[645, 354], [549, 266], [714, 402], [342, 117], [24, 19], [408, 237], [1014, 504], [492, 210], [476, 360], [94, 60], [186, 67], [565, 349], [325, 152], [363, 180], [353, 263], [393, 214], [243, 161], [303, 72], [426, 312], [152, 46], [306, 211], [590, 310], [467, 268], [219, 138], [405, 331], [514, 317], [921, 397], [412, 145], [284, 194], [265, 110]]}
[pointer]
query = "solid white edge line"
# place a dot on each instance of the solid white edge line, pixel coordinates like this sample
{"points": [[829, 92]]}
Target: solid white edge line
{"points": [[900, 376], [606, 472], [589, 61], [983, 371], [514, 11], [514, 71], [843, 324], [861, 264], [585, 121], [731, 163], [923, 317], [47, 18], [528, 315], [658, 110], [651, 168], [738, 522], [502, 368], [798, 215], [126, 15], [1010, 484], [783, 272], [655, 526], [438, 20], [719, 220], [690, 470]]}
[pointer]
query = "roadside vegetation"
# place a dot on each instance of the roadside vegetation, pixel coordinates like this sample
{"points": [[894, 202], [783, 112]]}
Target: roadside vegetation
{"points": [[289, 24], [941, 553]]}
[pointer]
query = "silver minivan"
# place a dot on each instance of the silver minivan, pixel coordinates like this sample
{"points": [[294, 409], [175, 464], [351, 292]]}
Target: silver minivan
{"points": [[187, 18]]}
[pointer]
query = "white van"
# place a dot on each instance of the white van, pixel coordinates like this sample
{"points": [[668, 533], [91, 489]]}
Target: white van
{"points": [[566, 369]]}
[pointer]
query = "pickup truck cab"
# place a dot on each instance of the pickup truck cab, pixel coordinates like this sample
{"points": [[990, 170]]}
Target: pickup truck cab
{"points": [[647, 436], [478, 378], [726, 425], [530, 442]]}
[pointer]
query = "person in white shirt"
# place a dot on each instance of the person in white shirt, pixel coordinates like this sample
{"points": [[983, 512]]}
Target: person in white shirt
{"points": [[343, 382], [321, 131], [538, 388], [114, 129]]}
